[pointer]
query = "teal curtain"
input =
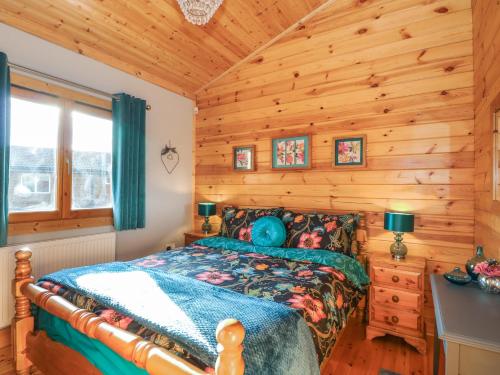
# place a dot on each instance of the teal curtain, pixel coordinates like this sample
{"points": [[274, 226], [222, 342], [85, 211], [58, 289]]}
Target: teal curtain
{"points": [[129, 164], [4, 146]]}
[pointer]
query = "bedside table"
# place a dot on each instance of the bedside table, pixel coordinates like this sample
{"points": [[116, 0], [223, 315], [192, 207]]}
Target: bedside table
{"points": [[397, 299], [190, 237]]}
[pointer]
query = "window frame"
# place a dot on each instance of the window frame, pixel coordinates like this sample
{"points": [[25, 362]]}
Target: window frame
{"points": [[63, 217], [496, 153]]}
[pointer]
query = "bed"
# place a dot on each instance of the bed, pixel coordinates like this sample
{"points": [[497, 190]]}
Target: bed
{"points": [[286, 307]]}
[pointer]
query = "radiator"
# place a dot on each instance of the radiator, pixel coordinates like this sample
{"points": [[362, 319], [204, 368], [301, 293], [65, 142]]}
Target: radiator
{"points": [[50, 256]]}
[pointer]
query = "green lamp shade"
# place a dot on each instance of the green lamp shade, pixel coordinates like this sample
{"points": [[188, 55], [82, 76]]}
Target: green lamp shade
{"points": [[206, 209], [399, 222]]}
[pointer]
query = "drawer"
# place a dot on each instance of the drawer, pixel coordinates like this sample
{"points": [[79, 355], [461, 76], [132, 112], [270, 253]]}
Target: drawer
{"points": [[395, 319], [394, 298], [397, 278]]}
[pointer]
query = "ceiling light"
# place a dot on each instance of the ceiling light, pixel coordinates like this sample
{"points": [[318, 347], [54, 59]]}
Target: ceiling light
{"points": [[199, 12]]}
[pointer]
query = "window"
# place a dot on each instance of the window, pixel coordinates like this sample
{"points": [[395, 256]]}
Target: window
{"points": [[33, 183], [91, 167], [60, 158], [496, 154], [33, 155], [42, 184]]}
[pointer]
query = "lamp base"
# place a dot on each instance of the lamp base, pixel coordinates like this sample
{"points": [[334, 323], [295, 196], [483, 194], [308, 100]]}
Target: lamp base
{"points": [[398, 248], [206, 227]]}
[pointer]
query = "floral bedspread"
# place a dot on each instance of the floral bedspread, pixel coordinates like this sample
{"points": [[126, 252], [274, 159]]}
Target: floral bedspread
{"points": [[323, 296]]}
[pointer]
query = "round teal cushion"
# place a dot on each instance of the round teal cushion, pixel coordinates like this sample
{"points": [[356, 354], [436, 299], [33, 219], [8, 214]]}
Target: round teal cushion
{"points": [[268, 231]]}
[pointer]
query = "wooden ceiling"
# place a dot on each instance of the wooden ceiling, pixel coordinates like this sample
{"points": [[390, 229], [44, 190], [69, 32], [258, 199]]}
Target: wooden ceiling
{"points": [[152, 40]]}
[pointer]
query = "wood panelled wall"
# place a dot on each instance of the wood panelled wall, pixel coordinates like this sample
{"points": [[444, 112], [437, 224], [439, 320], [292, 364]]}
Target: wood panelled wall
{"points": [[398, 71], [151, 38], [486, 26]]}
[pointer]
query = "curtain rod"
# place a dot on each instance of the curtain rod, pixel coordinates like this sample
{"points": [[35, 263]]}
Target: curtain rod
{"points": [[91, 90]]}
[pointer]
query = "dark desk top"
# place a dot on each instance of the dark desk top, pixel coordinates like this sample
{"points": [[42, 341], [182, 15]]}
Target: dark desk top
{"points": [[465, 314]]}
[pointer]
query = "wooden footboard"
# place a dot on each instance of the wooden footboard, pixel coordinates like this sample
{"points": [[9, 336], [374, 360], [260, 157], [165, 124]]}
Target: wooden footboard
{"points": [[29, 346]]}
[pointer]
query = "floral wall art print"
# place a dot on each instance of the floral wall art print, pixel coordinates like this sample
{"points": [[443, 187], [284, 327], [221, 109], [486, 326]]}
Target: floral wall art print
{"points": [[244, 158], [349, 152], [291, 152]]}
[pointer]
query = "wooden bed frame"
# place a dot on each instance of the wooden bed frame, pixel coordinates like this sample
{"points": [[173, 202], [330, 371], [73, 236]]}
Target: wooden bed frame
{"points": [[32, 348]]}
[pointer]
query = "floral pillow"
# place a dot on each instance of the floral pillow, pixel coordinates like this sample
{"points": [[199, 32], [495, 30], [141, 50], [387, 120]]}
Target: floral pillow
{"points": [[237, 222], [318, 231]]}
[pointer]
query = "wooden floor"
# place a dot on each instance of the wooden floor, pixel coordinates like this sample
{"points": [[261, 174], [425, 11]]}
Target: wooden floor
{"points": [[6, 365], [353, 355], [5, 361]]}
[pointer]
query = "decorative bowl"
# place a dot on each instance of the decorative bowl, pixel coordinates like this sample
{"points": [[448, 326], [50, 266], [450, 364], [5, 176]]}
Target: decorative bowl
{"points": [[490, 284], [457, 276], [472, 262]]}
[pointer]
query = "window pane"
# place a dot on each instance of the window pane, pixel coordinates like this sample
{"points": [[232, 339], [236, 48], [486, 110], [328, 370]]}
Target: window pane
{"points": [[33, 156], [496, 157], [92, 143]]}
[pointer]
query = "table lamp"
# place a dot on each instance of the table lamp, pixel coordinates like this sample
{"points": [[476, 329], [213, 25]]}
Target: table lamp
{"points": [[398, 223], [206, 209]]}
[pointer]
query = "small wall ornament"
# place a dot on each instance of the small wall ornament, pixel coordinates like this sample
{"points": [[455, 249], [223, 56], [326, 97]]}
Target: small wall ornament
{"points": [[170, 157]]}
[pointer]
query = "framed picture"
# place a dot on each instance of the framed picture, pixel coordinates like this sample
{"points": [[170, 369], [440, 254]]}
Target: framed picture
{"points": [[349, 152], [244, 158], [291, 152]]}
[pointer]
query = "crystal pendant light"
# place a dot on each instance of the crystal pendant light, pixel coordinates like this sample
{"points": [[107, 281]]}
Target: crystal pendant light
{"points": [[199, 12]]}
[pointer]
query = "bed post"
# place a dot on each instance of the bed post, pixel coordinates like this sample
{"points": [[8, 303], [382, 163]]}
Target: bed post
{"points": [[360, 239], [23, 322], [359, 248], [230, 334]]}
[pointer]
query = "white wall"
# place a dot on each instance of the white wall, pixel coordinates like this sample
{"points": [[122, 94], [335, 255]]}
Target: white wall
{"points": [[168, 197]]}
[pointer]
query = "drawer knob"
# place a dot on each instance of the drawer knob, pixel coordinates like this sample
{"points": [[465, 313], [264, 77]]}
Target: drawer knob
{"points": [[395, 299], [394, 319], [395, 278]]}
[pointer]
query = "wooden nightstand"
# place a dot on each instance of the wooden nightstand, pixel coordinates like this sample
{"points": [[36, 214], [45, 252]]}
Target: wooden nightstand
{"points": [[190, 237], [397, 299]]}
